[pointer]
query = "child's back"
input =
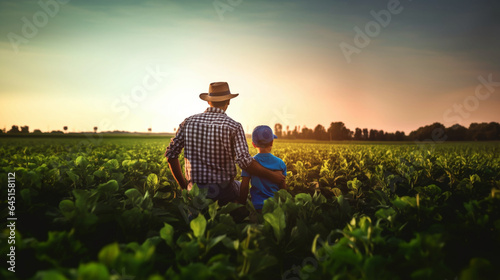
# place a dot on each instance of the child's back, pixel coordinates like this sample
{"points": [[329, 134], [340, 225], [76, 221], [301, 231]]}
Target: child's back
{"points": [[262, 188], [262, 140]]}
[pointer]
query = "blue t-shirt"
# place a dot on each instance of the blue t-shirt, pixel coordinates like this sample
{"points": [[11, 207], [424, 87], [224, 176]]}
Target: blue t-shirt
{"points": [[263, 188]]}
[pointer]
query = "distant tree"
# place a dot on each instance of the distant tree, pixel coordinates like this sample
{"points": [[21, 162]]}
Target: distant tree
{"points": [[25, 129], [365, 133], [335, 130], [37, 131], [484, 131], [65, 128], [399, 136], [389, 136], [56, 132], [14, 129], [150, 129], [434, 132], [456, 132], [95, 129], [278, 129], [320, 133], [295, 133], [380, 136], [358, 135], [288, 132], [307, 133], [349, 134]]}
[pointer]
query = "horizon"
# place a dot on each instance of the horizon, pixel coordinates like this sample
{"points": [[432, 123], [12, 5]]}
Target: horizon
{"points": [[133, 65], [32, 131]]}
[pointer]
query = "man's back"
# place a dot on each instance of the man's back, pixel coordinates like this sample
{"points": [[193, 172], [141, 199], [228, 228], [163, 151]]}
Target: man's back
{"points": [[212, 143]]}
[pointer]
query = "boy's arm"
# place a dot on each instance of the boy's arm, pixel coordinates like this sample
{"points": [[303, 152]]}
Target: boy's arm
{"points": [[245, 182]]}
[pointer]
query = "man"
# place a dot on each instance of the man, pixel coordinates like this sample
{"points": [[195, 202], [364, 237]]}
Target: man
{"points": [[213, 143]]}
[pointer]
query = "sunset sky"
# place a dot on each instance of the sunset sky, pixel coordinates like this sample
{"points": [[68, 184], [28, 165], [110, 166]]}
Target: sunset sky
{"points": [[131, 64]]}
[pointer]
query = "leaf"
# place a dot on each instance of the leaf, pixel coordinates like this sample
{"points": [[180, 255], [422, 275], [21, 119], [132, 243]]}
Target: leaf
{"points": [[67, 208], [109, 253], [213, 241], [167, 234], [231, 244], [110, 187], [212, 210], [303, 197], [337, 192], [314, 248], [118, 176], [318, 198], [152, 181], [230, 207], [81, 199], [81, 161], [128, 163], [72, 176], [54, 174], [354, 184], [195, 191], [112, 164], [93, 271], [133, 194], [198, 225], [277, 221], [99, 173]]}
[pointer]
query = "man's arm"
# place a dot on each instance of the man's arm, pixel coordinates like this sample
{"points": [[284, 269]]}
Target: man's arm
{"points": [[172, 155], [258, 170], [245, 182], [175, 167]]}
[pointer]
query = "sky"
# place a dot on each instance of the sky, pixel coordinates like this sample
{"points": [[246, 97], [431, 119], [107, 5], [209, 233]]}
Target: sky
{"points": [[133, 65]]}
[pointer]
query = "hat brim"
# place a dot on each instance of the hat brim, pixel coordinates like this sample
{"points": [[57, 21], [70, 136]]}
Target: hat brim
{"points": [[206, 97]]}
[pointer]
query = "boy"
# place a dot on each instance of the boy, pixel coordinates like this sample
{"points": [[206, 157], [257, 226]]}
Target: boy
{"points": [[262, 188]]}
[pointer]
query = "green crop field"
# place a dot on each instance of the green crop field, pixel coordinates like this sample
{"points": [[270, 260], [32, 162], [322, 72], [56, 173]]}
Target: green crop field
{"points": [[109, 208]]}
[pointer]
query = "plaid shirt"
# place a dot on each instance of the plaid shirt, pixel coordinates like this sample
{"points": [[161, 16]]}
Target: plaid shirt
{"points": [[212, 143]]}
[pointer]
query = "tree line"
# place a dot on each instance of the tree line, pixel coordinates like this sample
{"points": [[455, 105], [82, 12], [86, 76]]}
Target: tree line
{"points": [[15, 129], [338, 131]]}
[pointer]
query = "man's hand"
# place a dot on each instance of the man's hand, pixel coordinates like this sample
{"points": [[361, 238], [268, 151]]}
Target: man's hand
{"points": [[175, 167], [279, 178], [256, 169], [244, 188]]}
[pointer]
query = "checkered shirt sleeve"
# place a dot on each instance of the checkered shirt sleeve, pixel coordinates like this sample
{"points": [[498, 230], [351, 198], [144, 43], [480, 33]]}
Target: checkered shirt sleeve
{"points": [[176, 143]]}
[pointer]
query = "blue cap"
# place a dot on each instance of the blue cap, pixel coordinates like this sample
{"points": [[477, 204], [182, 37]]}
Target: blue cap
{"points": [[262, 135]]}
